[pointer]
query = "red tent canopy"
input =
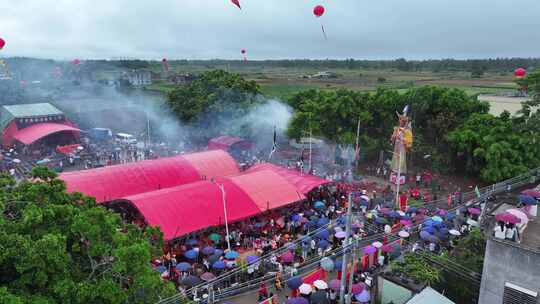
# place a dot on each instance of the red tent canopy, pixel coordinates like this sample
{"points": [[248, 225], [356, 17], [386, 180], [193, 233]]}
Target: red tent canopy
{"points": [[114, 182], [226, 142], [35, 132], [304, 183], [188, 208]]}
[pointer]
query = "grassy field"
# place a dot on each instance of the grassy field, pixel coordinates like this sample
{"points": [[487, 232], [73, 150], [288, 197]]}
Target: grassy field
{"points": [[284, 82]]}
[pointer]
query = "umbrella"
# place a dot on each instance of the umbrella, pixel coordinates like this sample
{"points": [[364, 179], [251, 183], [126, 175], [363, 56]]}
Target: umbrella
{"points": [[296, 217], [405, 222], [305, 289], [297, 300], [363, 297], [191, 254], [520, 214], [454, 232], [208, 250], [433, 238], [214, 237], [294, 282], [442, 212], [303, 220], [214, 257], [231, 255], [16, 160], [531, 192], [327, 264], [429, 229], [357, 288], [161, 269], [218, 252], [291, 246], [190, 281], [403, 234], [323, 244], [474, 211], [43, 161], [287, 257], [183, 266], [338, 264], [320, 284], [437, 219], [527, 200], [323, 221], [319, 297], [252, 258], [401, 213], [334, 284], [369, 250], [319, 205], [507, 218], [381, 221], [218, 265], [424, 235], [207, 276], [387, 248], [412, 210], [322, 234], [341, 234], [377, 244], [393, 214], [192, 242], [419, 217], [450, 216]]}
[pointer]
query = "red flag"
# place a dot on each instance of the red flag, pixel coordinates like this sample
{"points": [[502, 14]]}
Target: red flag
{"points": [[272, 300], [237, 3]]}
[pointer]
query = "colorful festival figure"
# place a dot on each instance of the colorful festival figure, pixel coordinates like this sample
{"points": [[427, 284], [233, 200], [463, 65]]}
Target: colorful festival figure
{"points": [[402, 139]]}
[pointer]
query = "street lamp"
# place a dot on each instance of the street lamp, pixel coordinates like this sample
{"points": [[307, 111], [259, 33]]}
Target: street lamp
{"points": [[223, 200]]}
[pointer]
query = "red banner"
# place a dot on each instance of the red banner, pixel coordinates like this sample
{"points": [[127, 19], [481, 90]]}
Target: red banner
{"points": [[319, 274]]}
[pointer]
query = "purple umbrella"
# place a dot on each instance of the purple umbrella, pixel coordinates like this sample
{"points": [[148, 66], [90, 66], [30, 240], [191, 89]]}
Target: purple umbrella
{"points": [[219, 265], [474, 211], [341, 234], [295, 282], [508, 218], [209, 250], [252, 258], [424, 235], [334, 284], [405, 222], [183, 266], [207, 276], [369, 250], [531, 192], [527, 200], [287, 257], [363, 297]]}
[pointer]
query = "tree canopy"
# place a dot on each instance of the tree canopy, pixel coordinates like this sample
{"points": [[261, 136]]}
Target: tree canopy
{"points": [[57, 247]]}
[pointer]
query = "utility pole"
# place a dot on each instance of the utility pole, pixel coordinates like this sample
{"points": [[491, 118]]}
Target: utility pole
{"points": [[345, 253], [222, 188], [310, 152], [353, 264], [357, 151]]}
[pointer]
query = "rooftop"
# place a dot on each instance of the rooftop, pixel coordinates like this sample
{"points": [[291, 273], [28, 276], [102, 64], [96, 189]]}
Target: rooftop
{"points": [[33, 109], [429, 295]]}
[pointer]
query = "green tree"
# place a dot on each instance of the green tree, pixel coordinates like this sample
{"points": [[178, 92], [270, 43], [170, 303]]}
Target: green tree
{"points": [[416, 268], [57, 247]]}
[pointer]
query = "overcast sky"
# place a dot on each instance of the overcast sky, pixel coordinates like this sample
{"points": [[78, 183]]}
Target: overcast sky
{"points": [[270, 29]]}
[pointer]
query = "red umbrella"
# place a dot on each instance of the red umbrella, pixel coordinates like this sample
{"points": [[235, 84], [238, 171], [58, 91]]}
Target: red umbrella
{"points": [[76, 61], [387, 248], [2, 43], [474, 211], [287, 257], [508, 218], [520, 72], [237, 3], [531, 192]]}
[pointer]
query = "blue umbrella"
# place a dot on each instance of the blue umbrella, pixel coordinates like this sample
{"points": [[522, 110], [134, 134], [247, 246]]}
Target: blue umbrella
{"points": [[296, 217], [252, 258], [363, 297], [218, 252], [527, 200], [381, 221], [437, 219], [322, 234], [183, 266], [295, 282], [342, 220], [214, 257], [394, 214], [319, 205], [412, 210], [192, 242], [338, 264], [291, 246], [450, 216], [305, 239], [208, 250], [218, 265], [424, 235], [161, 269], [323, 244], [191, 254], [231, 255], [429, 229], [323, 221]]}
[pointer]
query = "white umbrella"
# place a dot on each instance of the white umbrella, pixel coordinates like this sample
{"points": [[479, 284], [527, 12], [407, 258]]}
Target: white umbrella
{"points": [[403, 234], [305, 289], [472, 222], [16, 160], [401, 213], [320, 284], [377, 244], [80, 148], [454, 232], [520, 214]]}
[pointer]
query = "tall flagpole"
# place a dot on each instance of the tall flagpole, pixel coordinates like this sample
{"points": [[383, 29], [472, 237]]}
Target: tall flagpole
{"points": [[310, 150], [357, 142], [222, 188]]}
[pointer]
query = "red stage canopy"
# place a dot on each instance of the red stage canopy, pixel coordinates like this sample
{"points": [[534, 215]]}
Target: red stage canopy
{"points": [[35, 132], [303, 182], [226, 142], [188, 208], [114, 182]]}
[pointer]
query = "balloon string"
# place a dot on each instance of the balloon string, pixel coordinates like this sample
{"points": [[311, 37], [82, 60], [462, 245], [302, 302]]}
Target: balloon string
{"points": [[324, 32]]}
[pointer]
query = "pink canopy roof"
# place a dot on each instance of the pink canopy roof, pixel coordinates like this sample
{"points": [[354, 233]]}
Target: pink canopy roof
{"points": [[304, 183], [35, 132], [114, 182], [188, 208]]}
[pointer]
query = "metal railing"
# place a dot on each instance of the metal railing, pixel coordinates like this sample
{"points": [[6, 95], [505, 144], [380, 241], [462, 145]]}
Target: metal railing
{"points": [[469, 198]]}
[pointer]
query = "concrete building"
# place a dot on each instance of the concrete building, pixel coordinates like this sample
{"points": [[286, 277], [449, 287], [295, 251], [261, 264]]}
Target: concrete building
{"points": [[511, 273], [139, 77]]}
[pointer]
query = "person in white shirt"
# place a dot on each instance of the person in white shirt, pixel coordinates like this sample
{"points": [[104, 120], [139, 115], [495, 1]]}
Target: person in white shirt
{"points": [[500, 231]]}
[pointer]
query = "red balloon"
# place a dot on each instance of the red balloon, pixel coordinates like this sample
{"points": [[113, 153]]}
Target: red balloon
{"points": [[243, 51], [164, 60], [2, 43], [521, 72], [76, 61], [237, 3], [318, 10]]}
